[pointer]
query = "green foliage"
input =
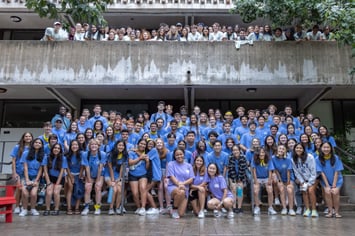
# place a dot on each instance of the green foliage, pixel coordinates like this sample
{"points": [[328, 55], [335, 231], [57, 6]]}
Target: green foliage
{"points": [[89, 11]]}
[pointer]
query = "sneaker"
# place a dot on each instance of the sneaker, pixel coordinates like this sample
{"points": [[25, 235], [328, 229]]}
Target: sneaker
{"points": [[34, 212], [111, 211], [123, 210], [230, 215], [142, 212], [201, 215], [46, 213], [162, 210], [24, 212], [291, 212], [314, 213], [256, 210], [175, 215], [40, 201], [307, 213], [271, 211], [153, 192], [235, 210], [85, 212], [152, 211], [137, 211], [169, 209], [240, 210], [299, 211], [277, 201], [284, 211], [97, 209], [224, 211], [326, 211], [217, 213], [17, 210], [119, 211]]}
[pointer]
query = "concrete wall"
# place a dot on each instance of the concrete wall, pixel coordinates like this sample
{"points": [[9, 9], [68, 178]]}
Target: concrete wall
{"points": [[174, 63]]}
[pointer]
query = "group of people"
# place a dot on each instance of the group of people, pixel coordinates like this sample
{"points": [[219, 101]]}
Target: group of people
{"points": [[205, 158], [178, 32]]}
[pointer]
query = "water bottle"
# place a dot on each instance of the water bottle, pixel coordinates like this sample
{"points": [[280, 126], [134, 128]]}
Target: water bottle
{"points": [[239, 192], [110, 195]]}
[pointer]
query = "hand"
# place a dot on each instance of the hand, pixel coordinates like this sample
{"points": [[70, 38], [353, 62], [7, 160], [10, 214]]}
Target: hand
{"points": [[29, 183]]}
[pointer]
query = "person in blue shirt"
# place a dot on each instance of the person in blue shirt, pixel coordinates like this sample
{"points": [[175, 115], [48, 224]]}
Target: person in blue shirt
{"points": [[75, 174], [97, 116], [93, 161], [263, 129], [47, 128], [197, 195], [246, 139], [31, 160], [306, 143], [212, 137], [325, 136], [70, 135], [61, 116], [114, 174], [219, 158], [191, 141], [160, 114], [242, 129], [262, 168], [227, 134], [330, 166], [54, 166], [59, 131], [187, 154], [283, 179], [138, 162]]}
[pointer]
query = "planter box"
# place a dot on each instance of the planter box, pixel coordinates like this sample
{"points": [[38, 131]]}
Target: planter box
{"points": [[348, 188]]}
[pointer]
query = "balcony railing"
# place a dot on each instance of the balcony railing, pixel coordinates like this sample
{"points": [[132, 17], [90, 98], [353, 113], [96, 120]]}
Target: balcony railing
{"points": [[144, 4]]}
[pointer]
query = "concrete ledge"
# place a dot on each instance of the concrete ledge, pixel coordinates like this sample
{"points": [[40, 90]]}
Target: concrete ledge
{"points": [[174, 63]]}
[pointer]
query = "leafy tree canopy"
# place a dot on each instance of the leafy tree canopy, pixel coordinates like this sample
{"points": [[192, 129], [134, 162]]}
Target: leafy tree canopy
{"points": [[89, 11]]}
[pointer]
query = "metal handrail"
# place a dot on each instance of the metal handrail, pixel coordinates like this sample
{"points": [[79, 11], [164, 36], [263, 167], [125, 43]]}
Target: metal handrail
{"points": [[349, 155]]}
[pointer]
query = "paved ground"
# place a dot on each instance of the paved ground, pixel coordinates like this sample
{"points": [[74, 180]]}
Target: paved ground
{"points": [[131, 224]]}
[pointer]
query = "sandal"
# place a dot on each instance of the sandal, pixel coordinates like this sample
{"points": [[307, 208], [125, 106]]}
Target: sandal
{"points": [[77, 212], [329, 215], [69, 212], [337, 215], [55, 213]]}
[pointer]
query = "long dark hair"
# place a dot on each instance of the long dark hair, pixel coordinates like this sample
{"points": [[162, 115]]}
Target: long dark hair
{"points": [[114, 153], [270, 149], [332, 155], [22, 144], [32, 152], [257, 156], [303, 156], [70, 153], [203, 167], [59, 160]]}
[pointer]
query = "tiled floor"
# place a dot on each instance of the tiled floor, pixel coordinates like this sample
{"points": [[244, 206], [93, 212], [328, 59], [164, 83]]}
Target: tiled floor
{"points": [[131, 224]]}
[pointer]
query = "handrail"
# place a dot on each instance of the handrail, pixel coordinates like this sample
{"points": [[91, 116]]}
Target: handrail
{"points": [[349, 155]]}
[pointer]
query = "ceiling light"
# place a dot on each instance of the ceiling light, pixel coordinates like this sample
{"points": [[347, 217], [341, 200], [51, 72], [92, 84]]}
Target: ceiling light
{"points": [[251, 90], [15, 19]]}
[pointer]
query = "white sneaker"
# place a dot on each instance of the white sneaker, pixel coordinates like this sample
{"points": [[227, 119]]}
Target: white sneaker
{"points": [[230, 215], [119, 211], [224, 211], [111, 212], [201, 215], [85, 212], [24, 212], [137, 211], [271, 211], [291, 212], [17, 210], [152, 211], [153, 192], [142, 212], [256, 210], [217, 213], [97, 211], [326, 211], [123, 209], [162, 210], [277, 201], [284, 211], [34, 212], [175, 215], [299, 211]]}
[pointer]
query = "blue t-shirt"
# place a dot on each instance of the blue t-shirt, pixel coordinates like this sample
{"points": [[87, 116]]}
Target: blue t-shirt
{"points": [[74, 164], [217, 185], [221, 161], [329, 171], [262, 171], [139, 168], [283, 165], [52, 171], [33, 166], [15, 155], [93, 162], [156, 165], [116, 162]]}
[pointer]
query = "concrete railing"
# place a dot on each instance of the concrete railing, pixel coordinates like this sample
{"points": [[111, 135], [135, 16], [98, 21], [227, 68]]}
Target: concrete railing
{"points": [[145, 4], [174, 63]]}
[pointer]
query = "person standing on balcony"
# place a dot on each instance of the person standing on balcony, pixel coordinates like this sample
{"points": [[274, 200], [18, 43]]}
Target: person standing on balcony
{"points": [[172, 35], [56, 33], [194, 35], [215, 35]]}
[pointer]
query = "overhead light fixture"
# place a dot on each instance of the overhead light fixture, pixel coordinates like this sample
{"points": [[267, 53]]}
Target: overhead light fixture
{"points": [[3, 90], [15, 19], [251, 90]]}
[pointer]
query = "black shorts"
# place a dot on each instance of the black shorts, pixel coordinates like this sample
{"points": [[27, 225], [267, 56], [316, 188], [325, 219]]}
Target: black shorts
{"points": [[193, 195], [54, 180], [136, 178]]}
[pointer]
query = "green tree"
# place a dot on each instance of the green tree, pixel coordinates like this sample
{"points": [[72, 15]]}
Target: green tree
{"points": [[89, 11], [338, 14]]}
